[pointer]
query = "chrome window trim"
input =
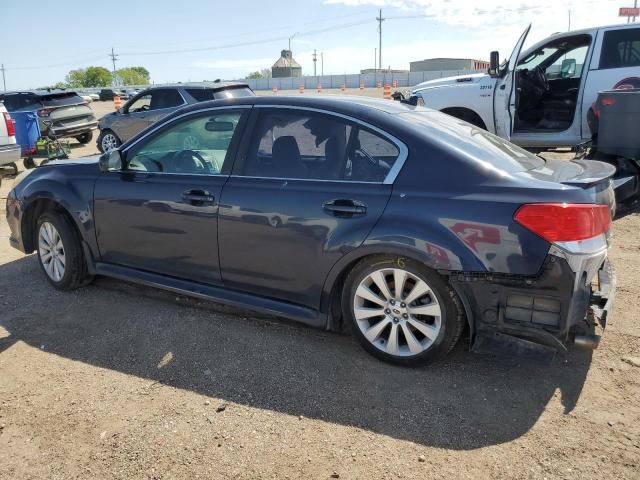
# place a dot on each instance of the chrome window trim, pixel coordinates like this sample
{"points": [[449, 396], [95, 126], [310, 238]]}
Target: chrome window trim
{"points": [[288, 179], [184, 101], [395, 169]]}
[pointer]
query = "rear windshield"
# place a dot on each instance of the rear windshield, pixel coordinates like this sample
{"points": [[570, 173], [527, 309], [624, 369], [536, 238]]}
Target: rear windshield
{"points": [[61, 99], [473, 141], [234, 93]]}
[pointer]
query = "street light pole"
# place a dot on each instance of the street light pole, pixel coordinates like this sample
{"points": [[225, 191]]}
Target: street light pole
{"points": [[291, 54]]}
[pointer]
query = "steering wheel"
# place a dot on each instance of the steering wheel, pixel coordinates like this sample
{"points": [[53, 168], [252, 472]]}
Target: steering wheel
{"points": [[540, 79], [189, 161]]}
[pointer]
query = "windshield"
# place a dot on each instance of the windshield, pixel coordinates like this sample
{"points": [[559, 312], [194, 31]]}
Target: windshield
{"points": [[473, 141], [61, 99]]}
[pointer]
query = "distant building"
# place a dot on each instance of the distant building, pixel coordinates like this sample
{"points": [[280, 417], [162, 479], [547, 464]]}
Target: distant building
{"points": [[436, 64], [384, 70], [286, 66]]}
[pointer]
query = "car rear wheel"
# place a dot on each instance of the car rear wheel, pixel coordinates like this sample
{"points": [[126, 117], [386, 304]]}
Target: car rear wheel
{"points": [[401, 311], [59, 252], [108, 141], [85, 137]]}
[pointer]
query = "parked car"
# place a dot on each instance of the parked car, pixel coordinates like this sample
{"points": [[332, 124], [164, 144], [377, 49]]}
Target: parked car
{"points": [[9, 150], [61, 114], [107, 94], [150, 105], [321, 209]]}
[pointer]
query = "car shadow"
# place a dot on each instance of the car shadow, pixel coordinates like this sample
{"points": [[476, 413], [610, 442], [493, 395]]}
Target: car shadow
{"points": [[465, 402]]}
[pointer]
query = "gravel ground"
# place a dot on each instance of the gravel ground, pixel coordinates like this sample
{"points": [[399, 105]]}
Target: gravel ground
{"points": [[118, 381]]}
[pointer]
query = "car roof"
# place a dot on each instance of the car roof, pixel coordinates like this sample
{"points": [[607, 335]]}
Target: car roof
{"points": [[201, 86], [40, 93], [347, 104]]}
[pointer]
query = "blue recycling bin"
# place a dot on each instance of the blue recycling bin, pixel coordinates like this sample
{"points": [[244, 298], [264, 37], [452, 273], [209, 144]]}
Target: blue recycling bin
{"points": [[27, 131]]}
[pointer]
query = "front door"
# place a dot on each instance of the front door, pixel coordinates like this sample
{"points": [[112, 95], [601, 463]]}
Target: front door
{"points": [[308, 190], [160, 213], [504, 100]]}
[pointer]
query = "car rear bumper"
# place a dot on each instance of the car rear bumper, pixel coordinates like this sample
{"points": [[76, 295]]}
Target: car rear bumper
{"points": [[568, 301], [9, 154], [74, 130]]}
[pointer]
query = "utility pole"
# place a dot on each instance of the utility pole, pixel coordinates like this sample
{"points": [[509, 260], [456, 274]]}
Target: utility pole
{"points": [[114, 57], [322, 63], [291, 55], [4, 82], [380, 19], [569, 29], [315, 60]]}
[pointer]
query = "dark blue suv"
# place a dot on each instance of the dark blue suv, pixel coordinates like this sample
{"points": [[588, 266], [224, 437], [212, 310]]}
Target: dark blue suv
{"points": [[401, 222]]}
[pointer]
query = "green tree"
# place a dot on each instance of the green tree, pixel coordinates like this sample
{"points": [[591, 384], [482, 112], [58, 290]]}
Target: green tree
{"points": [[134, 75], [263, 73], [76, 78], [97, 77]]}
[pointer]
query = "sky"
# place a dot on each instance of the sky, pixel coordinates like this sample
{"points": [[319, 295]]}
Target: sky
{"points": [[196, 40]]}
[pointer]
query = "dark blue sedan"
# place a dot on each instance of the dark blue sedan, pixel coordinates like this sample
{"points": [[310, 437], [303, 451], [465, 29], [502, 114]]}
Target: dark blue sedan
{"points": [[400, 222]]}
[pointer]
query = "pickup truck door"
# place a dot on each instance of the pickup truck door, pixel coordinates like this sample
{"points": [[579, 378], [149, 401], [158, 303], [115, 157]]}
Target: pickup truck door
{"points": [[615, 64], [504, 98]]}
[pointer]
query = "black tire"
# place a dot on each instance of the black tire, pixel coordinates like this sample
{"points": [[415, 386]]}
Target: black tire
{"points": [[452, 314], [104, 133], [75, 270], [85, 137], [29, 163], [467, 115], [14, 167]]}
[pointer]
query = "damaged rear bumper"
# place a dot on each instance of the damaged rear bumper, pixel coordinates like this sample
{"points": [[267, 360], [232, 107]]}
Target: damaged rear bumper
{"points": [[567, 302]]}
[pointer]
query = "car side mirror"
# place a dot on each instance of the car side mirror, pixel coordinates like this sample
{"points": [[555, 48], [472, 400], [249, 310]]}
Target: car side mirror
{"points": [[494, 63], [111, 161], [121, 110], [568, 68]]}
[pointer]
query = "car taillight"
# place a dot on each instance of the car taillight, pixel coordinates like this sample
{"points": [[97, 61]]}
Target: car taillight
{"points": [[564, 222], [44, 112], [11, 126]]}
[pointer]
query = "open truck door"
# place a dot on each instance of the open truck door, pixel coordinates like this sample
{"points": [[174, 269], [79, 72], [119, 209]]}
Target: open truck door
{"points": [[504, 96]]}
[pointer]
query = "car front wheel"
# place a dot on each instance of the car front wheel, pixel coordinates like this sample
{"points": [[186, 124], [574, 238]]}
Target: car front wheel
{"points": [[85, 137], [108, 141], [59, 252], [401, 311]]}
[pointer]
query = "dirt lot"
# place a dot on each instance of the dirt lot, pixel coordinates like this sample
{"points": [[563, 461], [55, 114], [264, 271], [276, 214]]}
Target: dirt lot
{"points": [[118, 381]]}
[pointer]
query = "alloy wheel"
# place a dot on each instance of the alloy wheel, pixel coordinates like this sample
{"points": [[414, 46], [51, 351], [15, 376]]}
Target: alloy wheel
{"points": [[397, 312], [52, 253], [109, 142]]}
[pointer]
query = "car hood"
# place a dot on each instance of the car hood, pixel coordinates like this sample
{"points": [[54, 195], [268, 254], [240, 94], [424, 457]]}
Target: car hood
{"points": [[86, 161], [452, 81]]}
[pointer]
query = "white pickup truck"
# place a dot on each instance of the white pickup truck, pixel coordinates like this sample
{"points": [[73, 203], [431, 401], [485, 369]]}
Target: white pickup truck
{"points": [[541, 98], [9, 150]]}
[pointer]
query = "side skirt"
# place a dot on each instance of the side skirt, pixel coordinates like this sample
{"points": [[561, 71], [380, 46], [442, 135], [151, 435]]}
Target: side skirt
{"points": [[216, 294]]}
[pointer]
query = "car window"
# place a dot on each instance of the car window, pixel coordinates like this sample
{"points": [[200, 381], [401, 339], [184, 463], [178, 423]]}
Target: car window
{"points": [[621, 48], [568, 65], [140, 104], [196, 146], [234, 93], [18, 101], [316, 146], [200, 94], [165, 99]]}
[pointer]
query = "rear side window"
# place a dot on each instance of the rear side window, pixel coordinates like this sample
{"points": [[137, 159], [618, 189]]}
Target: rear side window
{"points": [[315, 146], [621, 48], [168, 98], [200, 94], [18, 101]]}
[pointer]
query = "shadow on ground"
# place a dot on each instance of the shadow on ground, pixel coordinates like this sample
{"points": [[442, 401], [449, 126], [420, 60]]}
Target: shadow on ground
{"points": [[465, 402]]}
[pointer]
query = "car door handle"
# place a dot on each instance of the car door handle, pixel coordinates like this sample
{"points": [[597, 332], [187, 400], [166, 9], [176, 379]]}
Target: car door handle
{"points": [[198, 197], [344, 207]]}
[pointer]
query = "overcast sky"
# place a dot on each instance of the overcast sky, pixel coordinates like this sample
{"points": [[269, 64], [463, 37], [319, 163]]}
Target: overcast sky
{"points": [[194, 40]]}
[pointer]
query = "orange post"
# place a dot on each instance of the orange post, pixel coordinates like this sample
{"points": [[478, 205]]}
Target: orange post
{"points": [[386, 93], [343, 87], [274, 90], [319, 88], [301, 89], [361, 85], [117, 103]]}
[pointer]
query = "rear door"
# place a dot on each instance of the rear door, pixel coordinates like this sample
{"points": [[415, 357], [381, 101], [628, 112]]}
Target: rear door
{"points": [[145, 110], [160, 213], [615, 64], [308, 189]]}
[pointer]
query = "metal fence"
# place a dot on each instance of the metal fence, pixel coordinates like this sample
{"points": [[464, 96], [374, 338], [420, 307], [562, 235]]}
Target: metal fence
{"points": [[368, 80]]}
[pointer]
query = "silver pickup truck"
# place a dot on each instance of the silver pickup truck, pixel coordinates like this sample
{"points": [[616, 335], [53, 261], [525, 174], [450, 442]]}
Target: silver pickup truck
{"points": [[9, 150]]}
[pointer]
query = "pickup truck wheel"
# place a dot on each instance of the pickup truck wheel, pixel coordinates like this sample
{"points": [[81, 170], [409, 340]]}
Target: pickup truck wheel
{"points": [[85, 137], [108, 141], [59, 252], [401, 311]]}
